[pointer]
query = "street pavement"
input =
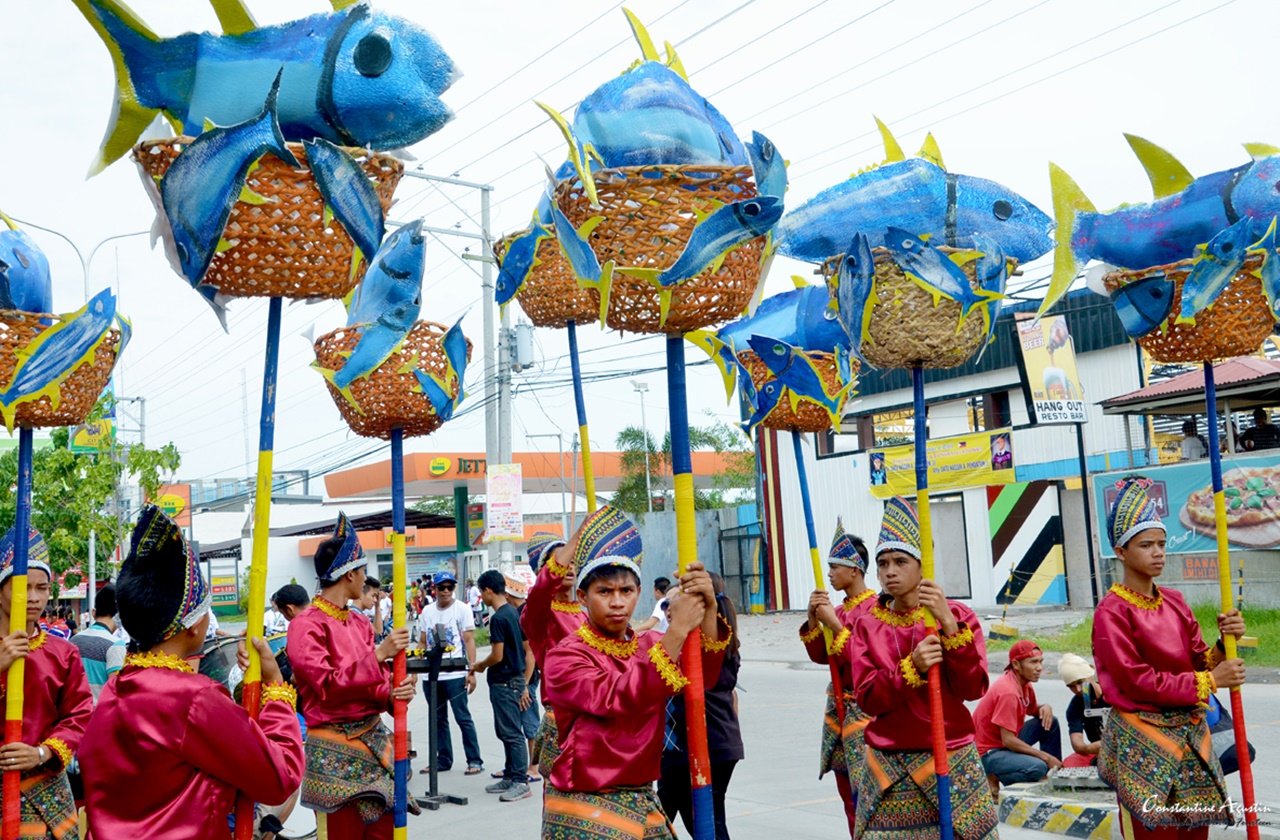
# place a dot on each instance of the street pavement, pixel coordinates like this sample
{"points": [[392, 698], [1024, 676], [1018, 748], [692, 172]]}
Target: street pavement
{"points": [[775, 791]]}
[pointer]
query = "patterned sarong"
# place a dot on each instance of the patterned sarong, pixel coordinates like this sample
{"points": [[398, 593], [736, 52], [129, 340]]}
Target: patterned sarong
{"points": [[351, 761], [618, 814], [898, 796], [546, 743], [836, 745], [48, 809], [1164, 759]]}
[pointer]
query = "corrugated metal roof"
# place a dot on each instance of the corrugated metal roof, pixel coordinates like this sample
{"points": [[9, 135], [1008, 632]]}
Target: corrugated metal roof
{"points": [[1090, 317], [1250, 377]]}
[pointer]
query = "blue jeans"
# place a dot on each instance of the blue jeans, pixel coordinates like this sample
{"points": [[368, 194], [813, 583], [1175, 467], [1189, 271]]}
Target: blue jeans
{"points": [[454, 693], [507, 724], [1011, 767], [530, 718]]}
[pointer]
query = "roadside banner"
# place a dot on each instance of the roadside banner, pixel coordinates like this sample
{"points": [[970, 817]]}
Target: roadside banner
{"points": [[977, 459], [1049, 365]]}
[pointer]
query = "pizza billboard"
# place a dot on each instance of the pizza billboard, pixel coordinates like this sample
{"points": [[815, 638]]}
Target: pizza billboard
{"points": [[1184, 499]]}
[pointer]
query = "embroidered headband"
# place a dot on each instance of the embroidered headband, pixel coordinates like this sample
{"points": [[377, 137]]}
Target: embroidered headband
{"points": [[541, 545], [1133, 510], [37, 553], [900, 529], [350, 555], [843, 551], [607, 538]]}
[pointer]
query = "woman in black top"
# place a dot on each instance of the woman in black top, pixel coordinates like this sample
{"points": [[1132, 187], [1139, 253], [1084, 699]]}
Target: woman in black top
{"points": [[724, 736]]}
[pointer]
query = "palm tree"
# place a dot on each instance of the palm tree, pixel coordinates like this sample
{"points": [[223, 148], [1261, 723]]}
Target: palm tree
{"points": [[736, 481]]}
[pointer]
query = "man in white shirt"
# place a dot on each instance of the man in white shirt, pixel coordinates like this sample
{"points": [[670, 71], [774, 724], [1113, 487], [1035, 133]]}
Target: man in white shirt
{"points": [[454, 686], [473, 600], [658, 620]]}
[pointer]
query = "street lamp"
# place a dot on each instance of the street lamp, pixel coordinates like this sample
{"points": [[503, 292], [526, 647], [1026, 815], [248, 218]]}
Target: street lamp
{"points": [[564, 511], [642, 388]]}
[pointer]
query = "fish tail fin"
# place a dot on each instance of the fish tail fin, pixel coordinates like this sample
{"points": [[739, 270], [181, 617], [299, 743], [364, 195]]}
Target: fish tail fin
{"points": [[664, 306], [605, 286], [1068, 201], [278, 146], [217, 302], [720, 354], [125, 36], [331, 376]]}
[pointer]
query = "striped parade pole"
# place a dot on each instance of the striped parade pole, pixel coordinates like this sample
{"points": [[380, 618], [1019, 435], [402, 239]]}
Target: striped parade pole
{"points": [[12, 822], [1224, 588], [695, 708], [588, 471], [252, 696], [941, 764], [399, 582], [837, 689]]}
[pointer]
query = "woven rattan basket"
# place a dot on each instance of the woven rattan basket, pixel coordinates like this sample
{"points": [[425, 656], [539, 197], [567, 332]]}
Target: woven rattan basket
{"points": [[388, 398], [648, 217], [77, 394], [1235, 325], [808, 416], [283, 247], [906, 328], [551, 296]]}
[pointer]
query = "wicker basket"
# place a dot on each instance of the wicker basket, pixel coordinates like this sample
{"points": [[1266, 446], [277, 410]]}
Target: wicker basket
{"points": [[284, 248], [808, 416], [551, 296], [648, 217], [906, 328], [387, 398], [78, 393], [1235, 325]]}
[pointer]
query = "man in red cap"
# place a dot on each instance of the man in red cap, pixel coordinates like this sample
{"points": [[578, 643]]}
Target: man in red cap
{"points": [[1013, 748]]}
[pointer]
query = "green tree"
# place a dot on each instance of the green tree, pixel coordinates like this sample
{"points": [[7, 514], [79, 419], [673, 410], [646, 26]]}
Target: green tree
{"points": [[437, 505], [735, 484], [70, 493]]}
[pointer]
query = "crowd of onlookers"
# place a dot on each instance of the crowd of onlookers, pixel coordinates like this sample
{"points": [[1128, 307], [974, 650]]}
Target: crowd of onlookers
{"points": [[1263, 434]]}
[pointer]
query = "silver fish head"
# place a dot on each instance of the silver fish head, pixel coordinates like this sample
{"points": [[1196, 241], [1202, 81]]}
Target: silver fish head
{"points": [[985, 207], [387, 78], [403, 253]]}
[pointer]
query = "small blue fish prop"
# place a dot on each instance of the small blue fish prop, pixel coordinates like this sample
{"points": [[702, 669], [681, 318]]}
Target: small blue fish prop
{"points": [[56, 353], [205, 181], [455, 353], [992, 273], [377, 342], [1222, 258], [25, 282], [394, 276], [348, 194], [1144, 304], [355, 77], [800, 317], [582, 259], [435, 388], [436, 394], [937, 274], [767, 166], [521, 254], [712, 238], [1186, 213], [855, 291], [795, 371], [918, 195], [1269, 272], [764, 402]]}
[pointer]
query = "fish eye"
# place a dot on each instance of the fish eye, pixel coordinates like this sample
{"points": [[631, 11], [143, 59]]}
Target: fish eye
{"points": [[372, 56], [828, 315], [908, 244], [779, 350], [1002, 210], [751, 208]]}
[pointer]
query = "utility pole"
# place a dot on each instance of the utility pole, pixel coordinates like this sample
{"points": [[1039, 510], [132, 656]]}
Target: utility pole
{"points": [[505, 365]]}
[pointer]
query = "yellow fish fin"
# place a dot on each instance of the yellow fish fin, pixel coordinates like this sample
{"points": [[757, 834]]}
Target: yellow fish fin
{"points": [[233, 16], [1257, 151], [674, 62], [605, 286], [647, 49], [664, 307], [225, 245], [1068, 201], [589, 225], [799, 282], [929, 151], [1166, 173], [892, 150]]}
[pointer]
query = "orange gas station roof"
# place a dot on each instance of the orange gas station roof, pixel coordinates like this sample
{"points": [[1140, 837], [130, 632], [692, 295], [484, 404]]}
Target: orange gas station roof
{"points": [[427, 474]]}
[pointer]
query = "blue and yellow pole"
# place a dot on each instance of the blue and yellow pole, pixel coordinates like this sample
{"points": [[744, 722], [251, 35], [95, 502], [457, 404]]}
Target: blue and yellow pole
{"points": [[1224, 588], [588, 471], [941, 763], [819, 581], [399, 582], [252, 697], [12, 822], [695, 707]]}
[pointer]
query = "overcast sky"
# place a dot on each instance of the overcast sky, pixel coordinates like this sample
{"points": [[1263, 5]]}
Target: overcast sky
{"points": [[1005, 85]]}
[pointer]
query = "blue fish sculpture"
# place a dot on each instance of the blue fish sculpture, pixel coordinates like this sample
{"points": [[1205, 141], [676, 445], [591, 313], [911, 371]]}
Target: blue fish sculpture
{"points": [[355, 77], [435, 388], [203, 183], [855, 291], [56, 353], [938, 274], [25, 282], [394, 276], [522, 254], [1269, 271], [581, 258], [436, 394], [348, 194], [795, 371], [917, 195], [1186, 213], [712, 238], [767, 166], [455, 353], [1218, 263], [992, 272], [800, 317], [763, 402], [1144, 304]]}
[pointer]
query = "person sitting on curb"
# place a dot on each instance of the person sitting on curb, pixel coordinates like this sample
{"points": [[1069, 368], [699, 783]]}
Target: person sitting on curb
{"points": [[1013, 751], [1085, 713]]}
